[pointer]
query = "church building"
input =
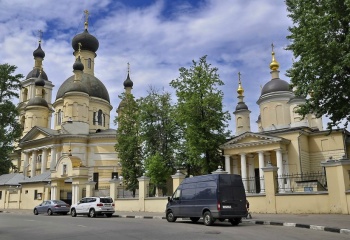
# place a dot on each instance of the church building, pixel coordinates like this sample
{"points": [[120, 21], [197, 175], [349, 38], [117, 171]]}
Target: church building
{"points": [[295, 145], [57, 162]]}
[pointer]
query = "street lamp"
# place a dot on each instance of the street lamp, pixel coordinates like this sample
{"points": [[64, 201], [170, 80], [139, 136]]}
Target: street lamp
{"points": [[122, 183]]}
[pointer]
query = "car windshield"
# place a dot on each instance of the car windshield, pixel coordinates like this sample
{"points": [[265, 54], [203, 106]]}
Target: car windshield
{"points": [[106, 200]]}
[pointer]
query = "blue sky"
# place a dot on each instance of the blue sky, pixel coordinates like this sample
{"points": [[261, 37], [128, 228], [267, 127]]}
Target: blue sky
{"points": [[156, 37]]}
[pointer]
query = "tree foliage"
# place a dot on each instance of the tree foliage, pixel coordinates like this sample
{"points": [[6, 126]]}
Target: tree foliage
{"points": [[200, 115], [10, 128], [128, 143], [159, 135], [320, 42]]}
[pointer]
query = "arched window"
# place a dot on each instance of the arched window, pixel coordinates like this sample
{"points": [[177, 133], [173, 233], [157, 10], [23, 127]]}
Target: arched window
{"points": [[89, 63], [59, 117], [25, 95], [43, 93], [100, 117]]}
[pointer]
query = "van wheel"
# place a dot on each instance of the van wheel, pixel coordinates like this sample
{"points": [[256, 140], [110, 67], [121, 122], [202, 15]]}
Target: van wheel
{"points": [[194, 219], [170, 217], [208, 219], [235, 221]]}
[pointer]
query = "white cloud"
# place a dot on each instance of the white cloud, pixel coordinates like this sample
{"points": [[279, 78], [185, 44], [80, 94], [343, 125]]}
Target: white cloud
{"points": [[235, 34]]}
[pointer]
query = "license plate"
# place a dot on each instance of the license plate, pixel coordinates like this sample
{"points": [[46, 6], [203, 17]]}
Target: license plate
{"points": [[107, 205], [226, 206]]}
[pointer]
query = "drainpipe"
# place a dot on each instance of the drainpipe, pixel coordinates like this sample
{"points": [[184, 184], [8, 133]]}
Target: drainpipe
{"points": [[344, 142], [301, 168]]}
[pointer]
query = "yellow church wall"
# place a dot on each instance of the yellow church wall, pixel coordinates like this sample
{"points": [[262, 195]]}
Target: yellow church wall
{"points": [[296, 204], [76, 107], [276, 112], [28, 198]]}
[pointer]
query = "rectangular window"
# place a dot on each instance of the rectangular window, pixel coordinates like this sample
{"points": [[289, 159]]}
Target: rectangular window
{"points": [[0, 195], [115, 175], [95, 179], [35, 194]]}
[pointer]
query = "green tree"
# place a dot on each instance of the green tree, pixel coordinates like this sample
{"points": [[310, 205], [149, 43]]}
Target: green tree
{"points": [[158, 136], [320, 42], [128, 143], [200, 115], [10, 128]]}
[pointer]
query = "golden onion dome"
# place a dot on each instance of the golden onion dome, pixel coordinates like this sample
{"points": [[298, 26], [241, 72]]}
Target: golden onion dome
{"points": [[240, 90], [274, 65]]}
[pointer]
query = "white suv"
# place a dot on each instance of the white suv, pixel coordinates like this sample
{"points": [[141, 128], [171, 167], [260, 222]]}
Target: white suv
{"points": [[92, 206]]}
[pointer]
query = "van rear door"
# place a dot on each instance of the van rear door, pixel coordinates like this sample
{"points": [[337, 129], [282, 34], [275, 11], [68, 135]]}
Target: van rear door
{"points": [[231, 195]]}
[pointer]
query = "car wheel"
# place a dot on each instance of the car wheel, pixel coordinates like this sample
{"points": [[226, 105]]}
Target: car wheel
{"points": [[208, 219], [194, 219], [49, 212], [235, 221], [36, 211], [170, 216], [92, 213], [73, 213], [109, 215]]}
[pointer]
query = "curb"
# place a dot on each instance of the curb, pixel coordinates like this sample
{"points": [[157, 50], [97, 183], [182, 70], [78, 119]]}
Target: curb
{"points": [[260, 222], [298, 225]]}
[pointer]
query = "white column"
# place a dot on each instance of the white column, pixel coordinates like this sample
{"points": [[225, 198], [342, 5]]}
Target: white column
{"points": [[280, 169], [33, 164], [227, 164], [251, 173], [44, 160], [53, 158], [235, 165], [286, 169], [53, 192], [261, 172], [25, 163], [244, 170]]}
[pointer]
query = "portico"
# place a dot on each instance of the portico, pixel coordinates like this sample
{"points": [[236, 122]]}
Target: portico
{"points": [[248, 153]]}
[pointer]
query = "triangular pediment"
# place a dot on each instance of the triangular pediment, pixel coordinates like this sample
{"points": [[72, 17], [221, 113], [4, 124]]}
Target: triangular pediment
{"points": [[37, 133], [251, 139]]}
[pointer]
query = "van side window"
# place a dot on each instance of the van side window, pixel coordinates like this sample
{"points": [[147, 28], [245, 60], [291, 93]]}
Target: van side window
{"points": [[176, 195], [188, 194]]}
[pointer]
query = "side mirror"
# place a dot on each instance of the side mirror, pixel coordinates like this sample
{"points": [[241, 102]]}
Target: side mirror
{"points": [[169, 199]]}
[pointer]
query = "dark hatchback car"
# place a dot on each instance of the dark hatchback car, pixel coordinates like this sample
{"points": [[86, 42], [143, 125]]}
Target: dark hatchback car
{"points": [[52, 206]]}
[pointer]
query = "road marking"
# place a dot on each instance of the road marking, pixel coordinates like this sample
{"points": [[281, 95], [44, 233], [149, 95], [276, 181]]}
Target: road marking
{"points": [[81, 226]]}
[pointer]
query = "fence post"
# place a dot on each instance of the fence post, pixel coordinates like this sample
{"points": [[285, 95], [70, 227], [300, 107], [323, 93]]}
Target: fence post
{"points": [[143, 191], [270, 173], [338, 182], [178, 177], [113, 188], [90, 188]]}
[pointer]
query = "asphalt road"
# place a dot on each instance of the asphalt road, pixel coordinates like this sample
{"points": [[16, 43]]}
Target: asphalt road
{"points": [[56, 227]]}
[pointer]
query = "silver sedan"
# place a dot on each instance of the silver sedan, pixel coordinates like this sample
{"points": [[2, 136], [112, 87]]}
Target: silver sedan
{"points": [[52, 206]]}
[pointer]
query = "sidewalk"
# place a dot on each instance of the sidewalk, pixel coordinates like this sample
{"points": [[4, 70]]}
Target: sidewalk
{"points": [[337, 223]]}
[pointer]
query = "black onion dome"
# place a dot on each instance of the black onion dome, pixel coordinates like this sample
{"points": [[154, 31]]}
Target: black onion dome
{"points": [[37, 101], [40, 81], [39, 52], [128, 82], [241, 106], [88, 42], [78, 65], [94, 87], [35, 74], [275, 85]]}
